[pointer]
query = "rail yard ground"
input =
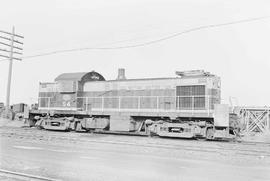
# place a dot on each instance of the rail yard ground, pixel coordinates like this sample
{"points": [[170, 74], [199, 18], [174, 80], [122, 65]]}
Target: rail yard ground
{"points": [[85, 156]]}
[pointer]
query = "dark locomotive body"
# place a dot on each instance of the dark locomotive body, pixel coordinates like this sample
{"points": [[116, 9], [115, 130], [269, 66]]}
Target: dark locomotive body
{"points": [[181, 106]]}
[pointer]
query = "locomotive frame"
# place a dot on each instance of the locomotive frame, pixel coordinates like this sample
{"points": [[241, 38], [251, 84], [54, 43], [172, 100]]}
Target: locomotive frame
{"points": [[182, 106]]}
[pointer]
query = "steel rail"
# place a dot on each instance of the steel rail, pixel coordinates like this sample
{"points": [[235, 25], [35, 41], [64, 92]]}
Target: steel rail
{"points": [[14, 174], [59, 134], [42, 132], [197, 148], [227, 143]]}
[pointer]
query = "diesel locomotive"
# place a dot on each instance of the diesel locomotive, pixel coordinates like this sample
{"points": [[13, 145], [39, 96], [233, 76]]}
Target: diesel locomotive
{"points": [[184, 106]]}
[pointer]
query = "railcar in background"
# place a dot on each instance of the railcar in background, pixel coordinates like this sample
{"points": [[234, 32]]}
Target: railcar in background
{"points": [[185, 106]]}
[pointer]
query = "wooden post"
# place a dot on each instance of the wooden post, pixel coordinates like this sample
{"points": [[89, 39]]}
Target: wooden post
{"points": [[10, 68]]}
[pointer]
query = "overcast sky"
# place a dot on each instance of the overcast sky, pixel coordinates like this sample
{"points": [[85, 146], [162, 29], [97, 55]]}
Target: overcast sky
{"points": [[239, 54]]}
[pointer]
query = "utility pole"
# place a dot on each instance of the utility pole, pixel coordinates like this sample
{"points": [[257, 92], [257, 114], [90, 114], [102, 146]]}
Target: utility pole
{"points": [[10, 67], [4, 42]]}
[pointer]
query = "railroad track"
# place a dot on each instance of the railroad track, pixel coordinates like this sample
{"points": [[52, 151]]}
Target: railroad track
{"points": [[250, 149], [7, 174]]}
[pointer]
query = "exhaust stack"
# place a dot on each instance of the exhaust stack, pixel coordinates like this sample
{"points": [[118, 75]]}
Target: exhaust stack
{"points": [[121, 74]]}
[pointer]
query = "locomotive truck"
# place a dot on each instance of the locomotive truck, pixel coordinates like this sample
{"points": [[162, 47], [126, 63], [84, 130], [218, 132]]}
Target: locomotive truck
{"points": [[184, 106]]}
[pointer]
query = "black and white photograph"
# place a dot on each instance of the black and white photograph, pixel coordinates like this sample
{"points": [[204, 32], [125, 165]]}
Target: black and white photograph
{"points": [[135, 90]]}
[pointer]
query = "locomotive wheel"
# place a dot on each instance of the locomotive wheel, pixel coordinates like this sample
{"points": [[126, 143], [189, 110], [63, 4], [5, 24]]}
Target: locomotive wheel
{"points": [[210, 134], [78, 127]]}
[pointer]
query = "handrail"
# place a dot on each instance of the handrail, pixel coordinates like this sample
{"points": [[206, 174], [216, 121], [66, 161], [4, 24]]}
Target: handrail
{"points": [[158, 103], [142, 96]]}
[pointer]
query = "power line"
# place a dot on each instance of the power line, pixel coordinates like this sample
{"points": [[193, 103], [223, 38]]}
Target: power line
{"points": [[10, 46], [149, 42], [8, 33], [15, 41], [4, 50], [9, 57]]}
